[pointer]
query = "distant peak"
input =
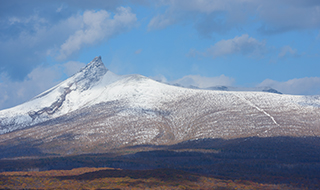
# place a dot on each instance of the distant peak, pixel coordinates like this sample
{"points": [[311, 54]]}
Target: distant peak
{"points": [[268, 89]]}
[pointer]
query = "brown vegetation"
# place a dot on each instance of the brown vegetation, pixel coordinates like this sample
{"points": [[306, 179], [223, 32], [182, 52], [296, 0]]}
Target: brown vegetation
{"points": [[283, 161], [107, 178]]}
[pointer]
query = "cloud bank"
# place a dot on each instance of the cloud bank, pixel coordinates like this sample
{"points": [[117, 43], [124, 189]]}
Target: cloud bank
{"points": [[37, 36]]}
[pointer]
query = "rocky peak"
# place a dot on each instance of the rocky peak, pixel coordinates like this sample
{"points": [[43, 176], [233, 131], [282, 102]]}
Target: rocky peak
{"points": [[94, 66], [90, 74]]}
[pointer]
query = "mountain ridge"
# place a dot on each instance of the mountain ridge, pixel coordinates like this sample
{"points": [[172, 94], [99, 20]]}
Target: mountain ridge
{"points": [[104, 111]]}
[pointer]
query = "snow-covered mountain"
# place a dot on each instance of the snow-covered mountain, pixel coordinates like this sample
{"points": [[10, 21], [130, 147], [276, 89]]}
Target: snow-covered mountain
{"points": [[92, 85], [96, 110]]}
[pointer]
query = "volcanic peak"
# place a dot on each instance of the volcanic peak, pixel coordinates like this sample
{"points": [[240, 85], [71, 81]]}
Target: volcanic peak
{"points": [[95, 65], [90, 74]]}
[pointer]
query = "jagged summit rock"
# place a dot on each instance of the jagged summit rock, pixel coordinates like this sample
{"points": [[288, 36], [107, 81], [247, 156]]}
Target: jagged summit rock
{"points": [[96, 66], [98, 109], [90, 74]]}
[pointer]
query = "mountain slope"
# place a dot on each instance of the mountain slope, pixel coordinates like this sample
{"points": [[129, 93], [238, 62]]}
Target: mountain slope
{"points": [[65, 97], [96, 111]]}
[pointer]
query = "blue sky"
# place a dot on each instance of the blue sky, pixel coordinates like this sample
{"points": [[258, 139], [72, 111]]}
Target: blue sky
{"points": [[242, 43]]}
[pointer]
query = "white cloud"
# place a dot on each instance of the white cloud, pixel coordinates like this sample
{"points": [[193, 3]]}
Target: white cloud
{"points": [[204, 82], [162, 21], [35, 19], [97, 26], [33, 42], [14, 20], [287, 50], [160, 78], [36, 37], [244, 45], [198, 81], [300, 86]]}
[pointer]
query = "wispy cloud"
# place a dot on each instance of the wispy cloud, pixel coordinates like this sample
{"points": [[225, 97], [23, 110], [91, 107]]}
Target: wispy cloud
{"points": [[162, 21], [59, 9], [240, 44], [298, 86], [287, 50], [198, 81], [244, 45], [204, 82]]}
